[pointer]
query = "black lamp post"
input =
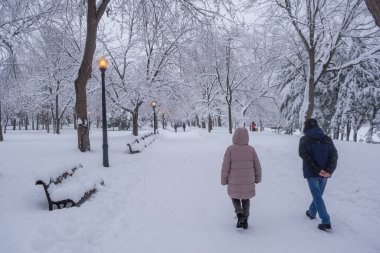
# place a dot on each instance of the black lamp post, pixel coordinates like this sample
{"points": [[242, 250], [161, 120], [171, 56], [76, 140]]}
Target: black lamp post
{"points": [[154, 104], [103, 64]]}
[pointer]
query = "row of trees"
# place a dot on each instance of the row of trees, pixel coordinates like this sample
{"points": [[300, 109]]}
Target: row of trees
{"points": [[328, 64], [199, 60]]}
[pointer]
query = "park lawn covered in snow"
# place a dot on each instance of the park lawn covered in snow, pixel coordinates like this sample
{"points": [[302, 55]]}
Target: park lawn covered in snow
{"points": [[169, 198]]}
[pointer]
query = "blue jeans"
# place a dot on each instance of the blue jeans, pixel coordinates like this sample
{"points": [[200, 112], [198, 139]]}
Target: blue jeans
{"points": [[317, 186]]}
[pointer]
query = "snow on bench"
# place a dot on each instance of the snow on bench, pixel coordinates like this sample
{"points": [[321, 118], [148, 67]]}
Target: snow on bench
{"points": [[139, 144], [68, 190]]}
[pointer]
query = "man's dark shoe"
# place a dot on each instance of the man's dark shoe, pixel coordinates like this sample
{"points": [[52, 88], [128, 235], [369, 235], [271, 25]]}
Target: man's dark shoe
{"points": [[325, 227], [309, 215], [240, 221]]}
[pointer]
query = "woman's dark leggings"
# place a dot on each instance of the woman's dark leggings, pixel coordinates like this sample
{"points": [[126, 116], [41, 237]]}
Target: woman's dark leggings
{"points": [[241, 206]]}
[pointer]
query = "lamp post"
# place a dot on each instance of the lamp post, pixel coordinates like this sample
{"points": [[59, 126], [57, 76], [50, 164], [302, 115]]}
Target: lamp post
{"points": [[163, 111], [154, 104], [103, 64]]}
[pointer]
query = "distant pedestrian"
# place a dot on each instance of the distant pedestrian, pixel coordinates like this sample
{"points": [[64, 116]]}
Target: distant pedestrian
{"points": [[184, 127], [175, 127], [320, 158], [241, 170], [253, 126]]}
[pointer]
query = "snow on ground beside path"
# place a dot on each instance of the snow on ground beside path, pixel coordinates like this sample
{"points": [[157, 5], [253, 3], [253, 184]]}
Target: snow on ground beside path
{"points": [[169, 198]]}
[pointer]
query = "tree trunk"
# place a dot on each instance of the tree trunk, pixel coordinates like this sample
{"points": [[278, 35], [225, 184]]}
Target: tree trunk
{"points": [[135, 118], [53, 119], [6, 124], [47, 122], [371, 125], [348, 131], [135, 125], [369, 134], [197, 121], [310, 108], [355, 135], [75, 120], [1, 125], [229, 119], [26, 122], [374, 8], [57, 119], [336, 132], [93, 17], [14, 124], [38, 122], [47, 126], [81, 113], [32, 122], [209, 123]]}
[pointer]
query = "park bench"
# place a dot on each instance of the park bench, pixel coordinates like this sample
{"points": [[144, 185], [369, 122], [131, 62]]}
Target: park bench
{"points": [[66, 190], [141, 143]]}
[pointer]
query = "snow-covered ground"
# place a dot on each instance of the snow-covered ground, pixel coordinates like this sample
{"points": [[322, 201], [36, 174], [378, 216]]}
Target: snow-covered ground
{"points": [[169, 198]]}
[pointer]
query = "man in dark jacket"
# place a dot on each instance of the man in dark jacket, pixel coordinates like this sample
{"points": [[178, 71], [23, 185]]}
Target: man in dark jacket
{"points": [[319, 157]]}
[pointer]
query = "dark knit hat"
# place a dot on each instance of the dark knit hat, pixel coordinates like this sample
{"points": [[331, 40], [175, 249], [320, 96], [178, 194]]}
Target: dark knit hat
{"points": [[310, 123]]}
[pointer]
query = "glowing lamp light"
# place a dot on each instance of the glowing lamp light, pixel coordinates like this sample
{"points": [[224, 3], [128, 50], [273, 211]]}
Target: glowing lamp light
{"points": [[102, 63]]}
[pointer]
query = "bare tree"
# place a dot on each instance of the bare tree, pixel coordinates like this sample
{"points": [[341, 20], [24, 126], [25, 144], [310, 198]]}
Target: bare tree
{"points": [[141, 56], [94, 14], [55, 73], [199, 74], [18, 19], [229, 69], [120, 46], [317, 31]]}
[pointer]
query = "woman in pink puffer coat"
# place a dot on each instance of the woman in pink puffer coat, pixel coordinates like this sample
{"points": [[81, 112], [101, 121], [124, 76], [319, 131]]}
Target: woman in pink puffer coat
{"points": [[241, 170]]}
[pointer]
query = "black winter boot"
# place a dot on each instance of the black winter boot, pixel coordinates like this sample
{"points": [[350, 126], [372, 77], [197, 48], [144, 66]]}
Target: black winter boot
{"points": [[309, 215], [325, 227], [240, 221], [245, 222]]}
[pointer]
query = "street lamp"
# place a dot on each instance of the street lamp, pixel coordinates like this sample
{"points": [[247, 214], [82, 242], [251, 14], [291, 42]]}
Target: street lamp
{"points": [[154, 104], [103, 64]]}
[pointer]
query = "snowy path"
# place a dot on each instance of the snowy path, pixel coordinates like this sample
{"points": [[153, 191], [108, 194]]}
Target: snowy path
{"points": [[169, 199], [186, 209]]}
